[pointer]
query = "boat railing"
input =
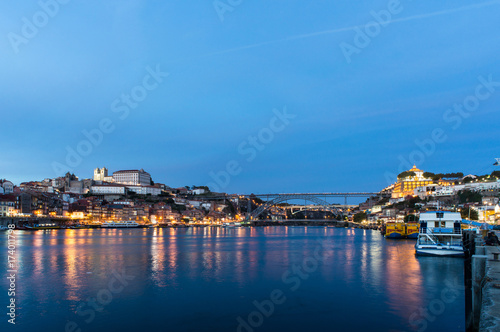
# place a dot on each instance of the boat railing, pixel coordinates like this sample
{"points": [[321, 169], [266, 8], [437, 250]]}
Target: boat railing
{"points": [[427, 236], [440, 231]]}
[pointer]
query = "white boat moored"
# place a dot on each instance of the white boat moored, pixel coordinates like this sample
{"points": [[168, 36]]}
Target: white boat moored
{"points": [[120, 224], [440, 234]]}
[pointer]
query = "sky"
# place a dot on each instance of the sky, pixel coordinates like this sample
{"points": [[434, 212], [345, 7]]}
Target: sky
{"points": [[249, 96]]}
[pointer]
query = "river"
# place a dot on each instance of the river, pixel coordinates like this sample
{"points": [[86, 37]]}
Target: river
{"points": [[229, 279]]}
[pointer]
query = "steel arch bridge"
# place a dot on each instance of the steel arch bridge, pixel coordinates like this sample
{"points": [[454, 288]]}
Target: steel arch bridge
{"points": [[286, 197]]}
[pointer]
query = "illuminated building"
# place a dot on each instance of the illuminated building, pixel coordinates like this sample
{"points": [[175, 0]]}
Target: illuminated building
{"points": [[406, 186], [114, 189], [133, 177], [6, 207], [101, 174]]}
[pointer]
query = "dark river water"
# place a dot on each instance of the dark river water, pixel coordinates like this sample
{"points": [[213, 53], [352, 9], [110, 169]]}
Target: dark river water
{"points": [[217, 279]]}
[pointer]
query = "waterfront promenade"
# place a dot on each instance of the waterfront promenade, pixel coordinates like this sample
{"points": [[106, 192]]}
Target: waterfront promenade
{"points": [[490, 312]]}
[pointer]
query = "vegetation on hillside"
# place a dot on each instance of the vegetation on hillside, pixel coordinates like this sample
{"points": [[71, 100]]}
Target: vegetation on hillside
{"points": [[359, 217], [470, 214], [468, 196], [406, 174]]}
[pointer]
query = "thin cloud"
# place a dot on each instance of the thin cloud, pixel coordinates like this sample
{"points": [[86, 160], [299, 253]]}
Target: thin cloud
{"points": [[328, 32]]}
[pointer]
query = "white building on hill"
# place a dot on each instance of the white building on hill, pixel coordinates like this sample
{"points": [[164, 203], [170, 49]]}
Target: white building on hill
{"points": [[132, 177], [8, 187]]}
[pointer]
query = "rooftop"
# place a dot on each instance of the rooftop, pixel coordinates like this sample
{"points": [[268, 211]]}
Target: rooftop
{"points": [[415, 169], [130, 171]]}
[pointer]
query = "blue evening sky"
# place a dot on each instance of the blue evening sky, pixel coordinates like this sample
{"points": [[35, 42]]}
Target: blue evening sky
{"points": [[354, 122]]}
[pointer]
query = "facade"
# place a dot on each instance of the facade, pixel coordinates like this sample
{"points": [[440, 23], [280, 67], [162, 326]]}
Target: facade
{"points": [[406, 186], [489, 213], [75, 187], [109, 179], [490, 200], [434, 190], [199, 191], [448, 189], [132, 177], [121, 189], [8, 187], [108, 189], [145, 190], [24, 202], [478, 186], [100, 174], [6, 207]]}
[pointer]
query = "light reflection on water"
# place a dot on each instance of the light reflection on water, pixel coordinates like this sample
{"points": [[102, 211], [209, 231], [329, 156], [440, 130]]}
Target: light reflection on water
{"points": [[204, 278]]}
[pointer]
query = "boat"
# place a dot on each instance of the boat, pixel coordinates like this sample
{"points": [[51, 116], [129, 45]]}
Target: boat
{"points": [[37, 227], [120, 224], [77, 226], [394, 230], [4, 228], [440, 234], [411, 230], [182, 225]]}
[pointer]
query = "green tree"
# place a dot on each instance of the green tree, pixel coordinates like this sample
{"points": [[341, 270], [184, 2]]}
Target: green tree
{"points": [[468, 196], [429, 175], [406, 174], [359, 217], [496, 174], [411, 218], [201, 187], [474, 215], [412, 201], [438, 177], [468, 179]]}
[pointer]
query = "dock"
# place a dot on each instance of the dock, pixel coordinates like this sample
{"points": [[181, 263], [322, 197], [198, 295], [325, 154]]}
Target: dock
{"points": [[490, 311]]}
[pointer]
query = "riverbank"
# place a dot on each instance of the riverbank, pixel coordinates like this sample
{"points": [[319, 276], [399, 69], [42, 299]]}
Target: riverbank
{"points": [[258, 223]]}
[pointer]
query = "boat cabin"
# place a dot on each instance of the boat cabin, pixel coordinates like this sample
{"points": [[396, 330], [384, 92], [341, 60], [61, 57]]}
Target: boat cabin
{"points": [[441, 222]]}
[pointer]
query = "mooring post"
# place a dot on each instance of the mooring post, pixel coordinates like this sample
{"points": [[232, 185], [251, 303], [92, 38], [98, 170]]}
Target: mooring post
{"points": [[480, 250], [478, 273]]}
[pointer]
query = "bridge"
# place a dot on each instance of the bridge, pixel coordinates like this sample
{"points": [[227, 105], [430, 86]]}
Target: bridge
{"points": [[318, 198]]}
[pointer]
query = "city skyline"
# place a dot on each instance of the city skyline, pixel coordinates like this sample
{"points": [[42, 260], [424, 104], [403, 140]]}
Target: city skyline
{"points": [[209, 85]]}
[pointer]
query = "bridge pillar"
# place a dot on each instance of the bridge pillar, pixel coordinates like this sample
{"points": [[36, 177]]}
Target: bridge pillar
{"points": [[249, 208]]}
